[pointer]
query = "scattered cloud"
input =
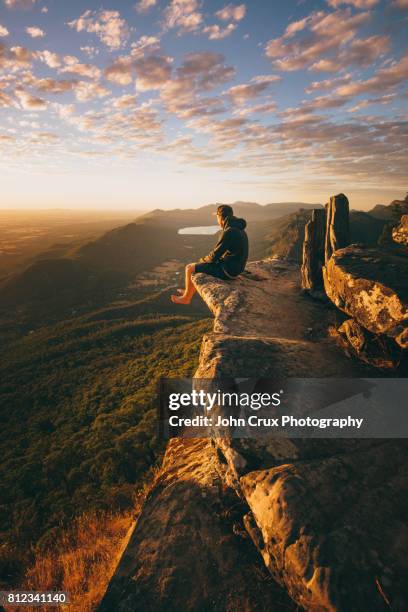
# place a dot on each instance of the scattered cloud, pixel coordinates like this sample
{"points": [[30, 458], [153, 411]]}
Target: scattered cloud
{"points": [[386, 99], [74, 66], [125, 101], [214, 32], [326, 33], [123, 69], [184, 15], [29, 102], [232, 12], [401, 4], [52, 60], [145, 5], [360, 4], [20, 4], [153, 72], [51, 86], [6, 100], [35, 32], [199, 73], [240, 94], [86, 91], [90, 51], [14, 59], [361, 52], [329, 83], [3, 31], [111, 29], [384, 80]]}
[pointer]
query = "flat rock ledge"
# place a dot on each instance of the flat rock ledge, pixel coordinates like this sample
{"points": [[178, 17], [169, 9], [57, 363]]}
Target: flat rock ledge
{"points": [[270, 524]]}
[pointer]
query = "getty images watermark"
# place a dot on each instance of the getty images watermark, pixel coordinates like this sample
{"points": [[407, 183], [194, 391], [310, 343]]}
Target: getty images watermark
{"points": [[294, 408]]}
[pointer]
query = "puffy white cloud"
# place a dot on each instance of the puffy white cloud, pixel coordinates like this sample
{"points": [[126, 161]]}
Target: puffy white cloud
{"points": [[144, 5], [73, 66], [214, 32], [232, 12], [107, 25], [35, 32], [52, 60], [86, 91], [29, 102], [183, 14], [3, 31]]}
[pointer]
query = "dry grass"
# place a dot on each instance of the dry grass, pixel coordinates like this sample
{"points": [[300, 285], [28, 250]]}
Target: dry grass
{"points": [[84, 558], [83, 561]]}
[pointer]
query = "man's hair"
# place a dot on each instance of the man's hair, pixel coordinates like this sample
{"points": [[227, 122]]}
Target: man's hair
{"points": [[224, 210]]}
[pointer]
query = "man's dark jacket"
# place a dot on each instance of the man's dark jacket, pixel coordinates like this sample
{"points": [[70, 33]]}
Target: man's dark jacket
{"points": [[231, 250]]}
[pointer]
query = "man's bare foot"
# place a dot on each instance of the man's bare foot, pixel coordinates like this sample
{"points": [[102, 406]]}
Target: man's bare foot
{"points": [[180, 299]]}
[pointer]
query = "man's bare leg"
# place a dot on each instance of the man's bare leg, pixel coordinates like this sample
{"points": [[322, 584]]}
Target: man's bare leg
{"points": [[189, 290]]}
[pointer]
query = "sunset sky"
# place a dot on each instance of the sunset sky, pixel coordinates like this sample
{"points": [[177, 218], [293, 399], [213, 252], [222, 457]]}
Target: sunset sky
{"points": [[165, 103]]}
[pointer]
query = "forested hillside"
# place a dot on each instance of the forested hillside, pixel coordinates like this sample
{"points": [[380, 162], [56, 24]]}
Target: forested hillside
{"points": [[77, 418]]}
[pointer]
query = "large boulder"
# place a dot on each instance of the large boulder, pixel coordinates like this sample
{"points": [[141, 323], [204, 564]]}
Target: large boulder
{"points": [[400, 232], [333, 529], [370, 285], [379, 351]]}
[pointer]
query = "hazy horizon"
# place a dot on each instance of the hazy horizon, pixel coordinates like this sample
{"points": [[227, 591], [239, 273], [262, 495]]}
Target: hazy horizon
{"points": [[129, 209]]}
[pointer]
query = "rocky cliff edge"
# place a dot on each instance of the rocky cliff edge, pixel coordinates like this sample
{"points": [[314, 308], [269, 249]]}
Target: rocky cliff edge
{"points": [[267, 525]]}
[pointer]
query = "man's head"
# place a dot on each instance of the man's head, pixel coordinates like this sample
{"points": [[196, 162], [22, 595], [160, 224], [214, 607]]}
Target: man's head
{"points": [[223, 213]]}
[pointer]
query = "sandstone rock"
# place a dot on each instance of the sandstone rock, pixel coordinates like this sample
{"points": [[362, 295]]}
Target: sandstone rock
{"points": [[337, 225], [379, 351], [325, 528], [313, 252], [183, 553], [400, 232], [325, 515], [371, 286]]}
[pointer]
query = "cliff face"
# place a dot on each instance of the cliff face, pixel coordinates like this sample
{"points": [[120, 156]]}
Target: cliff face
{"points": [[326, 516]]}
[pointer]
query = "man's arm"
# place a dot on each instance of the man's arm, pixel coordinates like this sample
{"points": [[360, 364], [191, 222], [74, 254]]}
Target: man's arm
{"points": [[220, 248]]}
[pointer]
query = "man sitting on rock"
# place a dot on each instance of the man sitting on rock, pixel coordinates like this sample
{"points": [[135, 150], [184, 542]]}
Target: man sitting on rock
{"points": [[228, 258]]}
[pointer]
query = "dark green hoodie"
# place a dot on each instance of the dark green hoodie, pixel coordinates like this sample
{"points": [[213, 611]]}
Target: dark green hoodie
{"points": [[231, 250]]}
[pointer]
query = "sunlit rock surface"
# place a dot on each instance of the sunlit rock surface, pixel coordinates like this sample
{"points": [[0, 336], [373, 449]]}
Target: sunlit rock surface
{"points": [[371, 286], [247, 524], [400, 232]]}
